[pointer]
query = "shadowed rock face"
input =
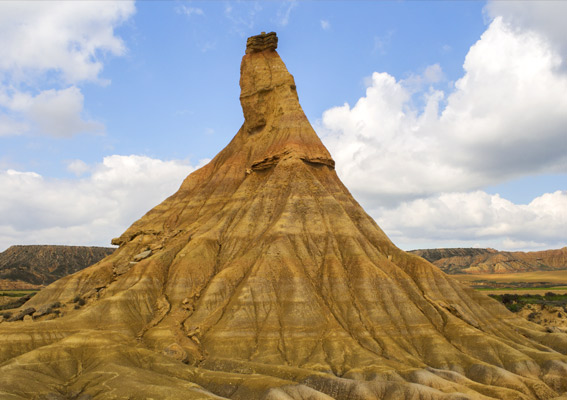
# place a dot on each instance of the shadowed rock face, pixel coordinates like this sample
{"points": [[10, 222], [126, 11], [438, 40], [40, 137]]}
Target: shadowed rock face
{"points": [[33, 266], [265, 279]]}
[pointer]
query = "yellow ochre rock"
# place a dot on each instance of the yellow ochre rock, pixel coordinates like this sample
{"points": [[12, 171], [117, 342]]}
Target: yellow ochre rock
{"points": [[267, 280]]}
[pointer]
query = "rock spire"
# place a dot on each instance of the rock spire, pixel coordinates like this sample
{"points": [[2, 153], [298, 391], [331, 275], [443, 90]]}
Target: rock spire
{"points": [[263, 278], [262, 42]]}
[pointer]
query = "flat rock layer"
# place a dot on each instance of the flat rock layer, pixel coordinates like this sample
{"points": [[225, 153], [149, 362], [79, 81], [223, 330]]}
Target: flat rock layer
{"points": [[262, 278]]}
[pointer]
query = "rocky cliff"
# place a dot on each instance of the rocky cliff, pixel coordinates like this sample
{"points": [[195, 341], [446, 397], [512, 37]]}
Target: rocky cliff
{"points": [[490, 261], [263, 278], [35, 266]]}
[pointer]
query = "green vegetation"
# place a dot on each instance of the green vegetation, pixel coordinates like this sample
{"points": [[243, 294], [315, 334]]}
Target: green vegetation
{"points": [[516, 302], [17, 293], [19, 298], [508, 289]]}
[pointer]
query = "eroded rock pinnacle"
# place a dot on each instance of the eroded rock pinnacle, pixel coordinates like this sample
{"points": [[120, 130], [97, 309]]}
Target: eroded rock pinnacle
{"points": [[261, 42]]}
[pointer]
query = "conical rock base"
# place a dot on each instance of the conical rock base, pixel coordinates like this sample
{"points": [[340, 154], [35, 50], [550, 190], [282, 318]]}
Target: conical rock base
{"points": [[262, 278]]}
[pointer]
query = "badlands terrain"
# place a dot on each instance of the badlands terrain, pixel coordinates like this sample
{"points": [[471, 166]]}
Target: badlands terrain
{"points": [[490, 261], [35, 266], [263, 278]]}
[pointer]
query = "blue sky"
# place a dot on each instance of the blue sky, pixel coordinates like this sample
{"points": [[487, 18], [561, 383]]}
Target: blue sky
{"points": [[446, 119]]}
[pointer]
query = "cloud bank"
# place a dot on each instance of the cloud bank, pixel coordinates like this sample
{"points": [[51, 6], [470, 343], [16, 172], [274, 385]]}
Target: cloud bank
{"points": [[418, 157], [88, 211], [46, 50]]}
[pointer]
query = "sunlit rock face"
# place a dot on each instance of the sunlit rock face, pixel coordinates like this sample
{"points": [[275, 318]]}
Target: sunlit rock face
{"points": [[263, 278]]}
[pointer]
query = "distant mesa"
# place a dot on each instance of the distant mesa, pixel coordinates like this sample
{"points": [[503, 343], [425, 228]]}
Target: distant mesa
{"points": [[263, 278], [36, 266], [490, 261]]}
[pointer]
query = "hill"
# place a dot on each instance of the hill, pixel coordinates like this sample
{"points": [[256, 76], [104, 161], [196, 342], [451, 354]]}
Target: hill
{"points": [[35, 266], [490, 261], [263, 278]]}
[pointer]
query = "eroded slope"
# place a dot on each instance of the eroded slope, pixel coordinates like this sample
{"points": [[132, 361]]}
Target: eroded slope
{"points": [[263, 278]]}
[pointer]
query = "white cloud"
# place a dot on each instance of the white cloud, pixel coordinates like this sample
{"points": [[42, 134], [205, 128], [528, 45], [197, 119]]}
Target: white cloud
{"points": [[325, 25], [381, 43], [45, 49], [504, 119], [78, 167], [543, 16], [68, 37], [284, 12], [11, 127], [58, 113], [91, 210], [189, 11], [242, 18], [477, 216]]}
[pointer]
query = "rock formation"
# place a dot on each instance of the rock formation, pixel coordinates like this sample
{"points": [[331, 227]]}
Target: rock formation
{"points": [[35, 266], [262, 278], [490, 261]]}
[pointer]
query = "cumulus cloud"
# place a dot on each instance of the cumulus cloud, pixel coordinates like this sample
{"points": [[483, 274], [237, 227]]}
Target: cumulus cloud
{"points": [[504, 119], [544, 16], [325, 24], [67, 37], [58, 113], [474, 217], [46, 48], [90, 210], [11, 127]]}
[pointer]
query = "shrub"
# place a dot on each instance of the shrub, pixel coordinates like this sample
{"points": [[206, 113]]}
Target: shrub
{"points": [[515, 307]]}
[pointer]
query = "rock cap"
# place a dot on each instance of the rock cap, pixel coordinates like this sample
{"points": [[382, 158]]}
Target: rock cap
{"points": [[262, 42]]}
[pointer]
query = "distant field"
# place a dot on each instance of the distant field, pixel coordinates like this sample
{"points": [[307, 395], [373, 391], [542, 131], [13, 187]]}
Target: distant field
{"points": [[542, 291], [539, 282], [535, 276]]}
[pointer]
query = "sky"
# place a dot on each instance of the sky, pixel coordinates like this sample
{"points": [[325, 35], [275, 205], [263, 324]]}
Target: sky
{"points": [[447, 120]]}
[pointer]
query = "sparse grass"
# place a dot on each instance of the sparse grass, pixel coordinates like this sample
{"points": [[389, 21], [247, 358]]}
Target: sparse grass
{"points": [[18, 300], [557, 278], [17, 293], [513, 289]]}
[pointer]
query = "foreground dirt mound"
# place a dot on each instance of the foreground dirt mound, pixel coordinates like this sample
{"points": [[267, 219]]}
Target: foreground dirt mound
{"points": [[34, 266], [262, 278], [490, 261]]}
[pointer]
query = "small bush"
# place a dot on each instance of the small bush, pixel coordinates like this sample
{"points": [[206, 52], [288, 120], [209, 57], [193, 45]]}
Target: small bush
{"points": [[81, 302], [7, 315], [76, 299], [515, 307]]}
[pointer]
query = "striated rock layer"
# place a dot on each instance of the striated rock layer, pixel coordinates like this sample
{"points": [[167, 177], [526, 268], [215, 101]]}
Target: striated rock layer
{"points": [[262, 278], [490, 261]]}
